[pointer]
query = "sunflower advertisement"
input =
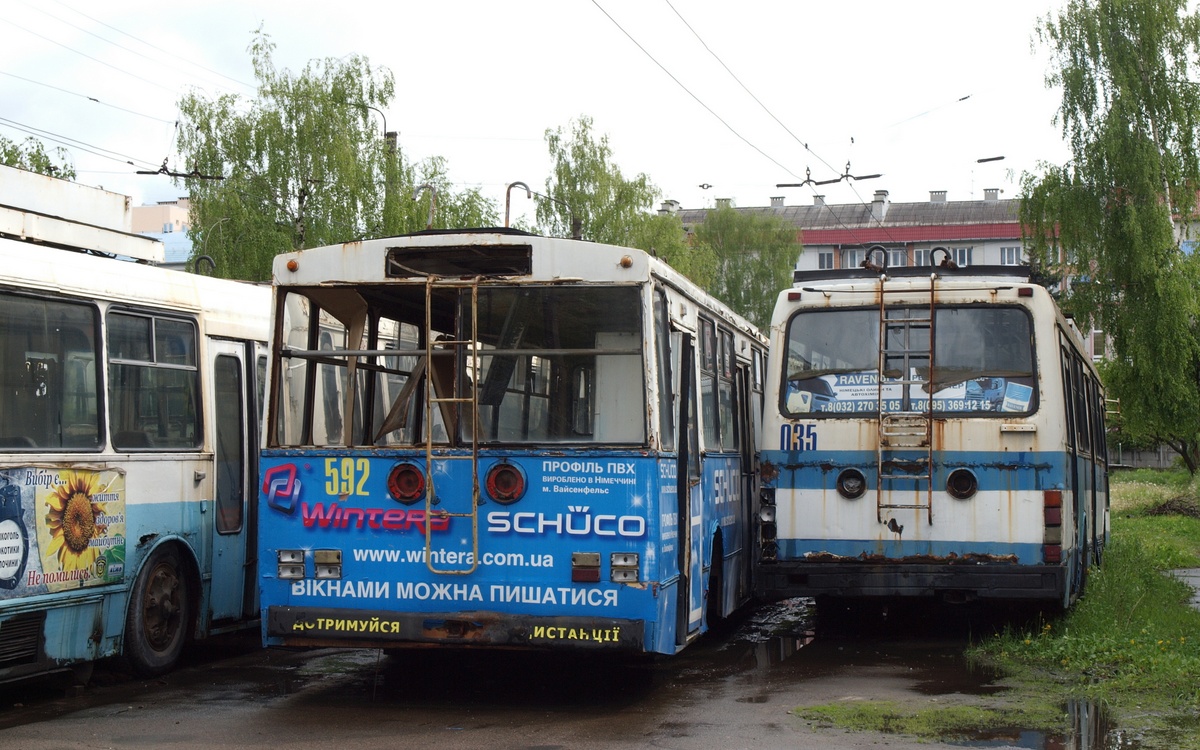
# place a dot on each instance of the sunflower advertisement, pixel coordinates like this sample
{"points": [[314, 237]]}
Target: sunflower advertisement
{"points": [[60, 529]]}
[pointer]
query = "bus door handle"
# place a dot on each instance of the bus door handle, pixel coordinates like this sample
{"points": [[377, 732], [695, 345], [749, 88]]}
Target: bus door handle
{"points": [[199, 476]]}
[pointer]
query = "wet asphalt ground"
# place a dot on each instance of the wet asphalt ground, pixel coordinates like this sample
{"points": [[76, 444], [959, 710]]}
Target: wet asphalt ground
{"points": [[733, 689]]}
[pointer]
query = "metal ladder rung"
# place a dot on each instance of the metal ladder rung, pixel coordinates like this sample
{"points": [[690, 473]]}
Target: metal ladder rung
{"points": [[905, 345], [458, 421]]}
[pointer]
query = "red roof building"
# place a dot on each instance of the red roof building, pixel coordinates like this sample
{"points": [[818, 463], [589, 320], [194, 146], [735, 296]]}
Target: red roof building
{"points": [[974, 232]]}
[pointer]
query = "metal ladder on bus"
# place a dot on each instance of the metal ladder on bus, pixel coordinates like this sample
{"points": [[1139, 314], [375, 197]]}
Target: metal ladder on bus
{"points": [[446, 368], [906, 340]]}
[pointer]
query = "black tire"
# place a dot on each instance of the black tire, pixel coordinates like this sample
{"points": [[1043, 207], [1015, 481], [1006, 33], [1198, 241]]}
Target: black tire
{"points": [[156, 624]]}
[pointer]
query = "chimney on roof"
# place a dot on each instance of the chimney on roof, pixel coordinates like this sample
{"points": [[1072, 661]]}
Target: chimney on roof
{"points": [[879, 206], [724, 202], [669, 207], [777, 201], [937, 196], [991, 194], [818, 200]]}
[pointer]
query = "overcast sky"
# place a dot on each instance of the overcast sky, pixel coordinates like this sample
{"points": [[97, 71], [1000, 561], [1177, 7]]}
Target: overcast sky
{"points": [[709, 99]]}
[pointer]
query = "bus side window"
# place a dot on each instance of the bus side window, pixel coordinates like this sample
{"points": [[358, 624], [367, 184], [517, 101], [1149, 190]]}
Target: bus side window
{"points": [[48, 376], [154, 382]]}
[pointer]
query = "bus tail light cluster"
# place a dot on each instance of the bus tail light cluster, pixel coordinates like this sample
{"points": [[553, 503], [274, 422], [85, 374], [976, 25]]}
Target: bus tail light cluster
{"points": [[768, 545], [327, 564], [1052, 512], [585, 567], [623, 567], [291, 564]]}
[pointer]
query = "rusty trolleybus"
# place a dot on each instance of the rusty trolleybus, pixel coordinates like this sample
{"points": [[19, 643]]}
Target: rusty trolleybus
{"points": [[129, 417], [929, 431], [490, 438]]}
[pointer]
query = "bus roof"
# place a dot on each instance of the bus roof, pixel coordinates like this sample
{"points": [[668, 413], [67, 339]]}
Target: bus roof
{"points": [[231, 308], [975, 273], [498, 254]]}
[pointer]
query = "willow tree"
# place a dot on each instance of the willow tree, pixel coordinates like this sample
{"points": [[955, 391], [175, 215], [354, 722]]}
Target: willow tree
{"points": [[33, 157], [755, 252], [1113, 219], [588, 187], [304, 163]]}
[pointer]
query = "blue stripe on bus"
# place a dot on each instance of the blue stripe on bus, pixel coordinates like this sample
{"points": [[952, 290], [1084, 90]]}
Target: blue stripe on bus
{"points": [[862, 549], [993, 470]]}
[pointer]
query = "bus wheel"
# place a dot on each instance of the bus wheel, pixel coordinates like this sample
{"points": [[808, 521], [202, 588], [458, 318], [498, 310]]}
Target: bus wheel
{"points": [[156, 625]]}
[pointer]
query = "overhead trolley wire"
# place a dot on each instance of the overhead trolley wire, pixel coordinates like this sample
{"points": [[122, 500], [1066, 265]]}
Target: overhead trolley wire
{"points": [[844, 176], [151, 45], [690, 93], [73, 143], [89, 98]]}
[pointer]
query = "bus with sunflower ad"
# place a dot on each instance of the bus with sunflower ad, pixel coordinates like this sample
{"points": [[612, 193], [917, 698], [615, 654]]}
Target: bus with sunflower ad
{"points": [[128, 427], [487, 438]]}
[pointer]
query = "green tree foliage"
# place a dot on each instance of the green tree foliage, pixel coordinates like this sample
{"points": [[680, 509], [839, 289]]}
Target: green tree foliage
{"points": [[1104, 221], [33, 157], [756, 252], [663, 235], [303, 164], [741, 260], [587, 186]]}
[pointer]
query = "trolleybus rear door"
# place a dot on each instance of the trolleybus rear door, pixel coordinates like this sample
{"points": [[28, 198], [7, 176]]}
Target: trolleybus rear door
{"points": [[690, 596], [232, 431]]}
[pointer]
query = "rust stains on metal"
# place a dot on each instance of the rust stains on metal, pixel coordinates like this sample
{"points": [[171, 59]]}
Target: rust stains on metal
{"points": [[768, 471], [969, 558]]}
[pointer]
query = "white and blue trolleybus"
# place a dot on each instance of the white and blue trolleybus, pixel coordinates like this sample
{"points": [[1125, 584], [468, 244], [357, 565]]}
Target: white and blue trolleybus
{"points": [[129, 416], [929, 432]]}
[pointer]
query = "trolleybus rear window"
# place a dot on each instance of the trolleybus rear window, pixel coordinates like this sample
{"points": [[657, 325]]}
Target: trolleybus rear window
{"points": [[982, 361]]}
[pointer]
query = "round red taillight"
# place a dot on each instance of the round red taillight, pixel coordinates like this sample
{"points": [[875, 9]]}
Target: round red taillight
{"points": [[406, 482], [505, 483]]}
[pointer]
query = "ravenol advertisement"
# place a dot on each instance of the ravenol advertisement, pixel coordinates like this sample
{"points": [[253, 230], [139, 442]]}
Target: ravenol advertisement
{"points": [[860, 392], [60, 529], [524, 555]]}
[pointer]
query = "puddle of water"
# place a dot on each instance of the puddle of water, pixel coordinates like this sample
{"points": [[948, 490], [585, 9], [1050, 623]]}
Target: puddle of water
{"points": [[1090, 730], [902, 641]]}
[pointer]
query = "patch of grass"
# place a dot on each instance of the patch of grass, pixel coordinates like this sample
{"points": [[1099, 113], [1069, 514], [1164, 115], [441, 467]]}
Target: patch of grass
{"points": [[1133, 641], [942, 722], [1141, 489]]}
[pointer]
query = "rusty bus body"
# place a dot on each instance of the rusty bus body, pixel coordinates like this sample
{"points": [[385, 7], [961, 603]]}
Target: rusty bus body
{"points": [[974, 468]]}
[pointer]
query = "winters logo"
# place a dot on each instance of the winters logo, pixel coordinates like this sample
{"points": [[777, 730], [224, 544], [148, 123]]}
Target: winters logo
{"points": [[282, 488]]}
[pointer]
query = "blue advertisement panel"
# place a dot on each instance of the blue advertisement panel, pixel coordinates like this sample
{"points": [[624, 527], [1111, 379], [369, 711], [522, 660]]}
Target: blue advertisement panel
{"points": [[576, 553]]}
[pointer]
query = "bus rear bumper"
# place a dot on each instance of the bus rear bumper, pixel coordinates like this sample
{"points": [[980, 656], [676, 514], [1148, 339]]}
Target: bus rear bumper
{"points": [[956, 582], [331, 627]]}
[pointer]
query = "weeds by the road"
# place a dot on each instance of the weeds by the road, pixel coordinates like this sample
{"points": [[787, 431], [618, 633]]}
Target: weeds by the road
{"points": [[1131, 643]]}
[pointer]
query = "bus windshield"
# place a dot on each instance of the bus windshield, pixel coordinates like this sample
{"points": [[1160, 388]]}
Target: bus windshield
{"points": [[543, 364], [982, 361]]}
